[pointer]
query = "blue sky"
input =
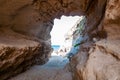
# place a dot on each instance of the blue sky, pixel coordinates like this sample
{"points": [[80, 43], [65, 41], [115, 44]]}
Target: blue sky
{"points": [[61, 26]]}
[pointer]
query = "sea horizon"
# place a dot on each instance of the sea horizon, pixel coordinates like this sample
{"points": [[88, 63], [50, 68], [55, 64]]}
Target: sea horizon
{"points": [[55, 47]]}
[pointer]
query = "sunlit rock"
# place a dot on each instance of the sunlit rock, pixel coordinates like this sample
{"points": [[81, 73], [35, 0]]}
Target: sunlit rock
{"points": [[25, 27]]}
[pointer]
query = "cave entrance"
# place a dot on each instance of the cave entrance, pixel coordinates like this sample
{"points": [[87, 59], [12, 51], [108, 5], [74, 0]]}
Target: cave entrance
{"points": [[62, 39]]}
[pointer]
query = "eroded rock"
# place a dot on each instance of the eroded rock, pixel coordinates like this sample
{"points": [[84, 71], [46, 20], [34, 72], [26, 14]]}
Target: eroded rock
{"points": [[18, 53], [101, 60], [97, 64], [25, 36]]}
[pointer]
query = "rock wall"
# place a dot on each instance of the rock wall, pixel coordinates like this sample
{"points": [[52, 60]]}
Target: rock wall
{"points": [[73, 39], [18, 53], [25, 27], [24, 39], [99, 57]]}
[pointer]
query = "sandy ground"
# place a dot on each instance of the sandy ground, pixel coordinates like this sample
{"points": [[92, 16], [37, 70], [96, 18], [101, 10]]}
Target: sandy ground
{"points": [[52, 70]]}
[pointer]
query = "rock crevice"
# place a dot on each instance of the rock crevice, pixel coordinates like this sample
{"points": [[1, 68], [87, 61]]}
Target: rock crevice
{"points": [[25, 36]]}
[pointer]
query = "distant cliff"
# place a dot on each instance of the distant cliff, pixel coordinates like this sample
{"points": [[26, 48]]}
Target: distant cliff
{"points": [[73, 38]]}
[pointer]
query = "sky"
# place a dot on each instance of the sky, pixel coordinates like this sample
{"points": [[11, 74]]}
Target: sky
{"points": [[61, 26]]}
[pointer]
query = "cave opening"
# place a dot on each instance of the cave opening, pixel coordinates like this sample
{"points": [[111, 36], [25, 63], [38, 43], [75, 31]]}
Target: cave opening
{"points": [[65, 37]]}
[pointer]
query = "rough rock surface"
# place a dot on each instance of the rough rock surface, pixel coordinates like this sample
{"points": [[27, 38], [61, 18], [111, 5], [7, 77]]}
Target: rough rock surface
{"points": [[30, 23], [18, 53], [99, 57], [24, 40]]}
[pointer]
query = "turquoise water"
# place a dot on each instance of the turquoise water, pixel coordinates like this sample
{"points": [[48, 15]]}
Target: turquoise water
{"points": [[55, 47]]}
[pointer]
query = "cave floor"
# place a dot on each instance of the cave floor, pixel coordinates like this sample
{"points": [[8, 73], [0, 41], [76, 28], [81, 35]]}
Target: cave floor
{"points": [[54, 69]]}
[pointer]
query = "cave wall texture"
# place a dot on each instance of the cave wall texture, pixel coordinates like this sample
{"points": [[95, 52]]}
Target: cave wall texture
{"points": [[25, 27]]}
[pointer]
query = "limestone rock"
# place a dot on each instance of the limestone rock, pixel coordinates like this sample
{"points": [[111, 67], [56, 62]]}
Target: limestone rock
{"points": [[25, 27], [24, 38], [100, 60], [18, 53], [97, 64]]}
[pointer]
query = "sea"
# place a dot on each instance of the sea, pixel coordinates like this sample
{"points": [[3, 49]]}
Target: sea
{"points": [[55, 47], [56, 60]]}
